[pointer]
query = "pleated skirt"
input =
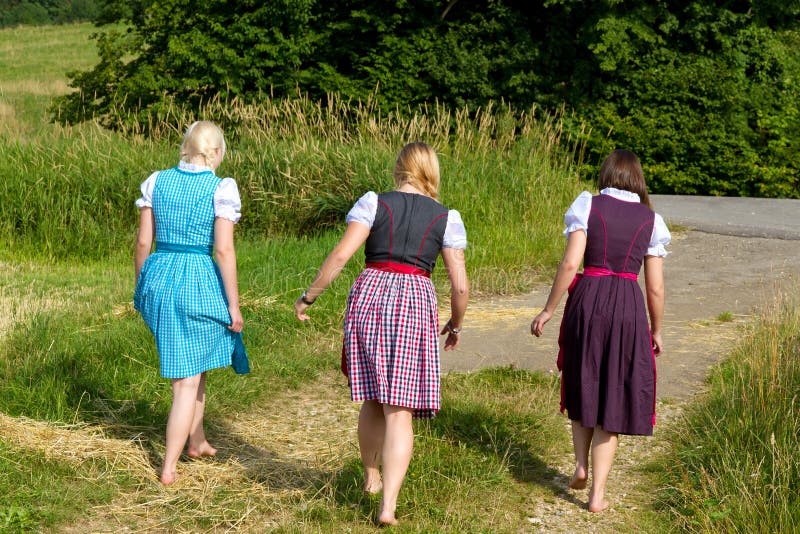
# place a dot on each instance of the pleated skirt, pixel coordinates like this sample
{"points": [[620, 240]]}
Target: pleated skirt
{"points": [[391, 342], [182, 301], [608, 370]]}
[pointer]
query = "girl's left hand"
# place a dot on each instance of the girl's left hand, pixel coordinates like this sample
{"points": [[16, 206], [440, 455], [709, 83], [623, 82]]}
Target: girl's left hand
{"points": [[452, 339], [237, 323], [300, 308]]}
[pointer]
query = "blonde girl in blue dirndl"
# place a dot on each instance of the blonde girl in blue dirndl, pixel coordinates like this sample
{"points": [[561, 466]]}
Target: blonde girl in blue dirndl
{"points": [[189, 302]]}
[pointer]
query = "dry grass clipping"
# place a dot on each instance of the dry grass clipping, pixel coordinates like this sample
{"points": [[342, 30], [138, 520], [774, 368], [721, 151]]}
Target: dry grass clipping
{"points": [[267, 461]]}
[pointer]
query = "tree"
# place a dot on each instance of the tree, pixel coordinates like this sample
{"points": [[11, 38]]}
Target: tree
{"points": [[704, 91]]}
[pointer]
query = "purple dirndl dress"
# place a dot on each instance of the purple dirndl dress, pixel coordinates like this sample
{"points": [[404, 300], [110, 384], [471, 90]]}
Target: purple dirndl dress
{"points": [[391, 327], [609, 375]]}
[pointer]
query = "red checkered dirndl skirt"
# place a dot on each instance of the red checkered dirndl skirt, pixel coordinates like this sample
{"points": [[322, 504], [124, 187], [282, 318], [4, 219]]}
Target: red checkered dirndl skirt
{"points": [[391, 341]]}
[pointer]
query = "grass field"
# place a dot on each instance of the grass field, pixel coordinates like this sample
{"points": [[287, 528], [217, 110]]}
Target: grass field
{"points": [[82, 409]]}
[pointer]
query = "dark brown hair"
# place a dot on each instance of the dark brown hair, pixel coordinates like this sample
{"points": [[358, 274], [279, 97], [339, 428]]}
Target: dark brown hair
{"points": [[622, 170]]}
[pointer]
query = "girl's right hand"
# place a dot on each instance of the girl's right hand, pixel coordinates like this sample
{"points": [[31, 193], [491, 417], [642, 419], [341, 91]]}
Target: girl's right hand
{"points": [[300, 308], [237, 322], [658, 345], [537, 325]]}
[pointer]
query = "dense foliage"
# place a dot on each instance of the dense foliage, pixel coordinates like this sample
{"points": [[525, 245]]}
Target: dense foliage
{"points": [[39, 12], [705, 92]]}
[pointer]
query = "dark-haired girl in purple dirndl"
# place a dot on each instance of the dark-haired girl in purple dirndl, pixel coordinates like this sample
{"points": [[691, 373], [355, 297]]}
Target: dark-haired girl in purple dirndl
{"points": [[607, 348]]}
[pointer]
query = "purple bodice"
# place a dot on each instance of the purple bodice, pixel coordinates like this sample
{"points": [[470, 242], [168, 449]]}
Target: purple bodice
{"points": [[618, 235]]}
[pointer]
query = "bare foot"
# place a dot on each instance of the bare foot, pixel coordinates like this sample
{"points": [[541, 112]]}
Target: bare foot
{"points": [[387, 519], [597, 505], [578, 479], [373, 488], [204, 449], [168, 477]]}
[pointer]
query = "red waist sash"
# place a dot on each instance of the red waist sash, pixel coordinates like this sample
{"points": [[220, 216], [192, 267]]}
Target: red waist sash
{"points": [[600, 271], [400, 268]]}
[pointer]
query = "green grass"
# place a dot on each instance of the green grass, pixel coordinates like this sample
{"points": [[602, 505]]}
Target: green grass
{"points": [[475, 466], [33, 65], [725, 317], [734, 466], [40, 493], [70, 194], [74, 351]]}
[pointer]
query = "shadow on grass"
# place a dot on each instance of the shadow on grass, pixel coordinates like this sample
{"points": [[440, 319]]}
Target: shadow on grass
{"points": [[454, 447], [502, 436]]}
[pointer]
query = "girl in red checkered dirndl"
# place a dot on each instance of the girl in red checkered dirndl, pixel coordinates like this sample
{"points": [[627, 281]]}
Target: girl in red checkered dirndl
{"points": [[391, 329]]}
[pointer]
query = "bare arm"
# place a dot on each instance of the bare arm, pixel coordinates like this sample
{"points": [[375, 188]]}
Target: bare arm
{"points": [[459, 294], [226, 259], [570, 263], [654, 286], [354, 236], [144, 240]]}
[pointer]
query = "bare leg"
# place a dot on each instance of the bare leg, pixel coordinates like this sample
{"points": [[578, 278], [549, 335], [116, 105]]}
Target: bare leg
{"points": [[604, 445], [397, 447], [179, 424], [581, 441], [371, 430], [198, 445]]}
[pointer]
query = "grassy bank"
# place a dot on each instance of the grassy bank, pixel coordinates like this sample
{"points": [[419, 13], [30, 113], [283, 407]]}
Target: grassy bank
{"points": [[82, 405], [734, 466]]}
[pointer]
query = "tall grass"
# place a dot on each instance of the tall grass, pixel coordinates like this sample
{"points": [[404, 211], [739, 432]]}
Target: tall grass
{"points": [[300, 165], [735, 467]]}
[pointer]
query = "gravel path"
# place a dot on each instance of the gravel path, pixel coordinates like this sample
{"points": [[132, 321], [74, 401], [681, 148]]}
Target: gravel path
{"points": [[734, 258]]}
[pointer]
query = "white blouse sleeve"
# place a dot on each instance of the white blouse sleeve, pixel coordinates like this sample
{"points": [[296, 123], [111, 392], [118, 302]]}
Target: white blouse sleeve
{"points": [[577, 216], [227, 203], [660, 238], [146, 200], [364, 209], [455, 235]]}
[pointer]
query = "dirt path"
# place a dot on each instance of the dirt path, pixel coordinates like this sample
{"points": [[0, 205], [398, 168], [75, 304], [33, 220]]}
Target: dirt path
{"points": [[715, 283], [708, 277]]}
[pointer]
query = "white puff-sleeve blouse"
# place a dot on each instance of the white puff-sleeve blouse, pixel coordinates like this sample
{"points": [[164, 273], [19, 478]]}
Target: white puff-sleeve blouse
{"points": [[364, 210], [577, 218], [227, 202]]}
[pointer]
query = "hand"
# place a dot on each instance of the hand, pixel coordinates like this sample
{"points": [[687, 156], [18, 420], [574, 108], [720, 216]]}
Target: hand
{"points": [[237, 323], [537, 325], [300, 308], [658, 345], [452, 339]]}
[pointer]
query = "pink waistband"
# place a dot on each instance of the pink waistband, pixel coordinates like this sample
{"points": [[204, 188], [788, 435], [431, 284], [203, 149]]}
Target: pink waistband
{"points": [[600, 271], [400, 268]]}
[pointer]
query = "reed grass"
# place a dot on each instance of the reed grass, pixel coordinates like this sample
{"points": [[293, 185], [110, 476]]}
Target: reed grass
{"points": [[734, 466], [300, 166]]}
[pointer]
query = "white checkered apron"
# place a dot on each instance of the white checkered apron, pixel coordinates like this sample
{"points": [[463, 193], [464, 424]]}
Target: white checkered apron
{"points": [[391, 341]]}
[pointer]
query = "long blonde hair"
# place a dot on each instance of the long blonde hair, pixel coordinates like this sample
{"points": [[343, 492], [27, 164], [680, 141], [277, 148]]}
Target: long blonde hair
{"points": [[200, 139], [418, 166]]}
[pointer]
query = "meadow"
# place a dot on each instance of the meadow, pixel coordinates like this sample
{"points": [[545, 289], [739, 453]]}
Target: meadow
{"points": [[82, 407]]}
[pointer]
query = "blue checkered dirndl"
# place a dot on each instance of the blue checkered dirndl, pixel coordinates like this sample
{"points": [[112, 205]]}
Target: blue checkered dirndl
{"points": [[179, 291], [391, 342]]}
